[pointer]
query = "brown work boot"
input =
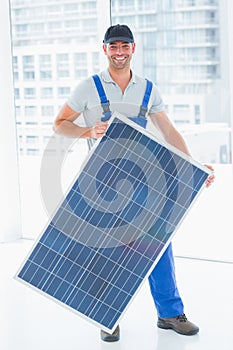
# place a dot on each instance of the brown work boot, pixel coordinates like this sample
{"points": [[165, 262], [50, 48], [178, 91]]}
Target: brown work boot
{"points": [[179, 324], [115, 336]]}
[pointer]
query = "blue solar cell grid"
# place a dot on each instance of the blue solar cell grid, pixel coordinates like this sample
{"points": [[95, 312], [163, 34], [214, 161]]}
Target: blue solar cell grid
{"points": [[113, 224]]}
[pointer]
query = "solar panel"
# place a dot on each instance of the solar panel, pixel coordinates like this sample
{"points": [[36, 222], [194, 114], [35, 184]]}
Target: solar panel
{"points": [[114, 223]]}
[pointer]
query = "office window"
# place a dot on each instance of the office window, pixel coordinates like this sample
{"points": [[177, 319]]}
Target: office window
{"points": [[80, 59], [56, 44], [123, 5], [47, 111], [73, 25], [62, 58], [71, 7], [32, 139], [29, 93], [32, 151], [181, 108], [63, 92], [45, 60], [62, 73], [96, 62], [15, 62], [150, 40], [80, 73], [211, 35], [30, 111], [28, 61], [147, 5], [19, 14], [46, 139], [17, 111], [37, 28], [21, 29], [89, 24], [17, 93], [212, 71], [54, 27], [28, 67], [15, 68], [148, 21], [80, 65], [54, 9], [46, 74], [88, 7], [46, 92], [31, 123], [149, 57], [131, 20], [45, 67], [16, 76], [29, 75], [63, 65], [211, 16], [197, 114]]}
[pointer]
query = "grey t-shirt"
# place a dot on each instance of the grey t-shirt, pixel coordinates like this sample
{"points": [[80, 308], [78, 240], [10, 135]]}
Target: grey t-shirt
{"points": [[85, 98]]}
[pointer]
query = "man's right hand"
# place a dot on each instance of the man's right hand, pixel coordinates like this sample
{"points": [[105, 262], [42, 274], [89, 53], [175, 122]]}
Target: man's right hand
{"points": [[98, 130]]}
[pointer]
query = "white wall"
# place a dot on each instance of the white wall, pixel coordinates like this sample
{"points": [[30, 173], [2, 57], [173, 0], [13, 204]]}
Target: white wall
{"points": [[9, 182]]}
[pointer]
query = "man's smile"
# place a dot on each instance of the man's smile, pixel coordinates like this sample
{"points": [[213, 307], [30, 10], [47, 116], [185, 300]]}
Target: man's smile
{"points": [[119, 58]]}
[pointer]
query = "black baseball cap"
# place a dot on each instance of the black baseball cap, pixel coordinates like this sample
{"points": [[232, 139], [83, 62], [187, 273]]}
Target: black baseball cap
{"points": [[118, 32]]}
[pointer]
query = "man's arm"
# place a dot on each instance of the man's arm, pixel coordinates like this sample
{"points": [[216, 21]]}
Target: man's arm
{"points": [[172, 136], [64, 125], [169, 132]]}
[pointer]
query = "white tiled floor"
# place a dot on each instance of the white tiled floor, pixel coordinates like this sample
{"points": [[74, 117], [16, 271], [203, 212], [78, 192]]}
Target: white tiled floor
{"points": [[29, 321]]}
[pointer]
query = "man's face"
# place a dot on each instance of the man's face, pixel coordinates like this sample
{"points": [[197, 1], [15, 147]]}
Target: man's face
{"points": [[119, 53]]}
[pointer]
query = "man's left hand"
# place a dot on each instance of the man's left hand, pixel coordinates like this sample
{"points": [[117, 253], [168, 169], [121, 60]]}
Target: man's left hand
{"points": [[211, 178]]}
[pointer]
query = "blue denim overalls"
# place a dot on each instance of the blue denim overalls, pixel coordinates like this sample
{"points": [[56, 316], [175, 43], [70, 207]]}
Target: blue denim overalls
{"points": [[162, 279]]}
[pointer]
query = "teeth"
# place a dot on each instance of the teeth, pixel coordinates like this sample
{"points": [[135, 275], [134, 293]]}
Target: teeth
{"points": [[120, 58]]}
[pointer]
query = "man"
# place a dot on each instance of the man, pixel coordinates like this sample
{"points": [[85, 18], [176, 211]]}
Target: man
{"points": [[124, 88]]}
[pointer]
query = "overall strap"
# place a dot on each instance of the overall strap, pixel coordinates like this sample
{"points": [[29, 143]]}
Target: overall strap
{"points": [[145, 101], [103, 98], [105, 102]]}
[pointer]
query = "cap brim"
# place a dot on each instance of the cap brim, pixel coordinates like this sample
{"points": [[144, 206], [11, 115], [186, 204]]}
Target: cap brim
{"points": [[118, 38]]}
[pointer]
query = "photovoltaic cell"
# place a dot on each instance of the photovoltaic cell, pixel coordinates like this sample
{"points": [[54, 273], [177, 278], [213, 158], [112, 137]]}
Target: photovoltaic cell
{"points": [[115, 222]]}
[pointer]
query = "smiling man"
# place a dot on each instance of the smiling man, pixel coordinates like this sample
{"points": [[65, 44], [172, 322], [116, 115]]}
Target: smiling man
{"points": [[118, 51], [119, 88]]}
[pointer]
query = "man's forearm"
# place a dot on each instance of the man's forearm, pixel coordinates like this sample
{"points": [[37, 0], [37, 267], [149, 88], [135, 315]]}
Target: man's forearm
{"points": [[175, 139], [69, 129], [169, 132]]}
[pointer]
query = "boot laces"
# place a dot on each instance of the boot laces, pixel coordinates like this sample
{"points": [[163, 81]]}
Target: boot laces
{"points": [[182, 318]]}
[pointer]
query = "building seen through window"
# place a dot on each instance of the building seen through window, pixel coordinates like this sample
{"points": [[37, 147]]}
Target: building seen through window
{"points": [[179, 43], [180, 47]]}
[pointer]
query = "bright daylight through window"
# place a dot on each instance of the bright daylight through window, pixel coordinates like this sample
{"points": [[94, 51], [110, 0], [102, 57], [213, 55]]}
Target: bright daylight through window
{"points": [[180, 47]]}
